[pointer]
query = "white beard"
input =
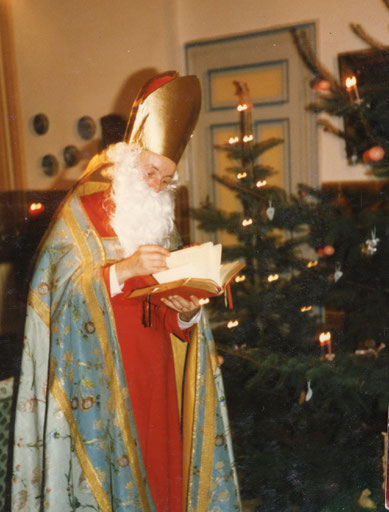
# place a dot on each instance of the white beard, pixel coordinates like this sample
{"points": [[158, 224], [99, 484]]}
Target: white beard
{"points": [[141, 215]]}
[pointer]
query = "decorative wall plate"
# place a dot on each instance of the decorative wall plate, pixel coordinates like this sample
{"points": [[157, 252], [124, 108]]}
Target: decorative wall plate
{"points": [[40, 124], [49, 165], [71, 155], [86, 127]]}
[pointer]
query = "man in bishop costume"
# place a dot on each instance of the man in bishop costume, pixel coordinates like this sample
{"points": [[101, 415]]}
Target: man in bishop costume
{"points": [[121, 404]]}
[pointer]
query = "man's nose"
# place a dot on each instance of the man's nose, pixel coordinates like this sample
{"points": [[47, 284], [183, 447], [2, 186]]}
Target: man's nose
{"points": [[157, 186]]}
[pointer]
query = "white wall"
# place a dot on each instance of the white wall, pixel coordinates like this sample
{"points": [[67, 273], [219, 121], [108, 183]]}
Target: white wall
{"points": [[74, 58], [205, 19]]}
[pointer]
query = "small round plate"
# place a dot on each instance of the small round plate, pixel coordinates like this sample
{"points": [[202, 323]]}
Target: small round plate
{"points": [[40, 123], [86, 127], [49, 165], [71, 155]]}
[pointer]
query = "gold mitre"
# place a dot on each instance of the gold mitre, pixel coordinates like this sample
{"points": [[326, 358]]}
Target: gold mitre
{"points": [[164, 114]]}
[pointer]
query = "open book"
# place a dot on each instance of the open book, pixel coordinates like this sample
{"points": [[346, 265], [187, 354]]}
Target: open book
{"points": [[195, 270]]}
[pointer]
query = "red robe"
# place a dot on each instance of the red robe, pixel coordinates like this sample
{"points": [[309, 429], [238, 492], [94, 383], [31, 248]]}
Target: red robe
{"points": [[149, 368]]}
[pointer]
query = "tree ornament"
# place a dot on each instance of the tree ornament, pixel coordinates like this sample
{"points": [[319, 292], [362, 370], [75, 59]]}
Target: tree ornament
{"points": [[372, 242], [320, 251], [270, 210], [328, 250], [309, 394], [321, 85], [354, 159], [338, 273], [374, 154]]}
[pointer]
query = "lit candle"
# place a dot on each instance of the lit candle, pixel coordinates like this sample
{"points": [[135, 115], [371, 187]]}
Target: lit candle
{"points": [[248, 138], [241, 175], [312, 263], [232, 323], [305, 308], [247, 222], [273, 277], [351, 85], [261, 183], [325, 339], [35, 209], [233, 140], [239, 279], [202, 302], [242, 107]]}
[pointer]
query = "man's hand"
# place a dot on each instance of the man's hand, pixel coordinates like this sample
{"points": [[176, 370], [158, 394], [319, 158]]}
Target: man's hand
{"points": [[146, 260], [185, 308]]}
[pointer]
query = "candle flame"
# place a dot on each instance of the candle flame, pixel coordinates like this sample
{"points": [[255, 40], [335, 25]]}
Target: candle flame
{"points": [[351, 82], [261, 183], [324, 337], [239, 279], [312, 263], [202, 302], [305, 308], [35, 206], [248, 138], [233, 140], [273, 277], [242, 175], [247, 222], [36, 209], [241, 108], [232, 323]]}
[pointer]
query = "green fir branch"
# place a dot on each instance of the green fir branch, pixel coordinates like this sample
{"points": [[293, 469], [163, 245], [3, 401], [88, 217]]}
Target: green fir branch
{"points": [[309, 58], [367, 38], [238, 354], [330, 128], [233, 185]]}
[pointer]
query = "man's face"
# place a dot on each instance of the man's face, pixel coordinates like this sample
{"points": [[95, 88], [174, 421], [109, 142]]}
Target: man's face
{"points": [[158, 170]]}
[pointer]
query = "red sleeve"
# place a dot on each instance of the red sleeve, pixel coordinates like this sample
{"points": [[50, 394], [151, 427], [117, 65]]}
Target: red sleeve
{"points": [[131, 284], [169, 317], [107, 281]]}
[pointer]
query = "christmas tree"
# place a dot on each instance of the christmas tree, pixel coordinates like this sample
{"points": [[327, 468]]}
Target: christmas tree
{"points": [[305, 361]]}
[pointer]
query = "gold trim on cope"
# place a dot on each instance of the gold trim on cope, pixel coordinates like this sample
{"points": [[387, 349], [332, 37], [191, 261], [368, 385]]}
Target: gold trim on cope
{"points": [[189, 415], [208, 442], [99, 322], [193, 382], [179, 349], [40, 307]]}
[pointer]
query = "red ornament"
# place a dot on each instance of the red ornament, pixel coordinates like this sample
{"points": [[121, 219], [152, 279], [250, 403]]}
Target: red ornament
{"points": [[320, 251], [322, 86], [220, 360], [328, 250], [373, 154]]}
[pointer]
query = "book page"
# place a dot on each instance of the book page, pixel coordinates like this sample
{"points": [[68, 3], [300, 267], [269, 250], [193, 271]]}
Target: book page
{"points": [[173, 274], [229, 269], [187, 255], [200, 261]]}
